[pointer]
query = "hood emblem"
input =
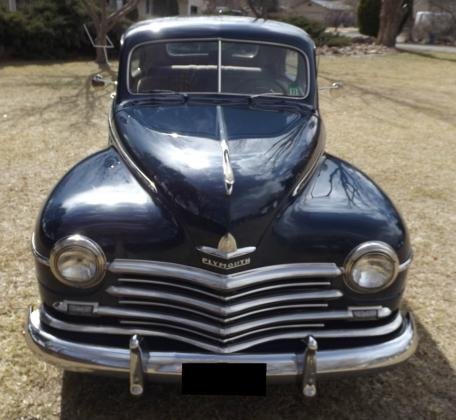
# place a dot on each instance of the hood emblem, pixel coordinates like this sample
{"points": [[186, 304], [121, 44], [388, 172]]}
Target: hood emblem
{"points": [[227, 249]]}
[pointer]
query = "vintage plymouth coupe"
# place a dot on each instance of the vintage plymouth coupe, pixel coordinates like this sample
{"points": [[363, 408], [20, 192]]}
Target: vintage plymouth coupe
{"points": [[213, 241]]}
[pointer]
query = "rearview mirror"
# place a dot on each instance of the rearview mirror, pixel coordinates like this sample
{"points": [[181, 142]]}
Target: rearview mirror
{"points": [[98, 81], [335, 89]]}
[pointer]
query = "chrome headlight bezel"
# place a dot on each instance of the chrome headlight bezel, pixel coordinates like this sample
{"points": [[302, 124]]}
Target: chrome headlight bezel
{"points": [[377, 248], [82, 244]]}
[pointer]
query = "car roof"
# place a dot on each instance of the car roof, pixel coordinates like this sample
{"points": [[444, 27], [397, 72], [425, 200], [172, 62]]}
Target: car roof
{"points": [[219, 27]]}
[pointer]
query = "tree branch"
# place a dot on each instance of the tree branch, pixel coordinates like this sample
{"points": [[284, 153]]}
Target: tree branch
{"points": [[92, 10], [114, 17]]}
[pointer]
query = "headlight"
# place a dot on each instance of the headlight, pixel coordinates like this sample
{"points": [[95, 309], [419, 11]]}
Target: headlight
{"points": [[371, 267], [78, 261]]}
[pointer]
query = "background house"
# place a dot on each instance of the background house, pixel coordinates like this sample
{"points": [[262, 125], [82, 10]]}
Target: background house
{"points": [[325, 11], [156, 8], [434, 6]]}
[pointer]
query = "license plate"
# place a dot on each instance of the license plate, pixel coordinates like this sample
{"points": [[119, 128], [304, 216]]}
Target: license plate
{"points": [[224, 378]]}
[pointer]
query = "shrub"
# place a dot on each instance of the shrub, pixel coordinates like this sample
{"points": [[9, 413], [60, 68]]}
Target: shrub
{"points": [[334, 40], [316, 30], [369, 17], [313, 28], [50, 29], [45, 29]]}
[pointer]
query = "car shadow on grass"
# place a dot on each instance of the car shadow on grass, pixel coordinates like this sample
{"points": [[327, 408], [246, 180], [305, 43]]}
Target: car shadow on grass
{"points": [[423, 387]]}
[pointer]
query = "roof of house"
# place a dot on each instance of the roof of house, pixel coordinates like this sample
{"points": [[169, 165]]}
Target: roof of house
{"points": [[336, 5]]}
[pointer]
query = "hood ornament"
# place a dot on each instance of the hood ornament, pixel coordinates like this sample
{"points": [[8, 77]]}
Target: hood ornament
{"points": [[227, 248]]}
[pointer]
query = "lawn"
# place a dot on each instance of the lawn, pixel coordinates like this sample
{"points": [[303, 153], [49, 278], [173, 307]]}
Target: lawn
{"points": [[396, 121]]}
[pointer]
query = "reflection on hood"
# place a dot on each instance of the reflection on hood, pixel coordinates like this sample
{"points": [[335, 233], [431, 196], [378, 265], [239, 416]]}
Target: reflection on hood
{"points": [[179, 148]]}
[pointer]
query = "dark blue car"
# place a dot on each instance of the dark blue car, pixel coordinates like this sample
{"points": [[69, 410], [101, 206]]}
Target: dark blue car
{"points": [[213, 241]]}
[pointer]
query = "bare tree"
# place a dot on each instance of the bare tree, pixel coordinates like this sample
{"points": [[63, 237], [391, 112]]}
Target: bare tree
{"points": [[261, 8], [104, 20], [392, 16], [337, 18]]}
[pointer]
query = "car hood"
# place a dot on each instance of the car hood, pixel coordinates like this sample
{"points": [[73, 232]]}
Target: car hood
{"points": [[180, 149]]}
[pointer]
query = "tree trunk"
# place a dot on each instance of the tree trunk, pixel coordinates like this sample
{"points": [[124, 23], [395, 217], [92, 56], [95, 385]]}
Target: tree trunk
{"points": [[103, 21], [391, 17], [101, 57]]}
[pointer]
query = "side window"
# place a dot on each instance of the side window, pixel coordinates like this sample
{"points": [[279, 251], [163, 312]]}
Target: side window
{"points": [[291, 65]]}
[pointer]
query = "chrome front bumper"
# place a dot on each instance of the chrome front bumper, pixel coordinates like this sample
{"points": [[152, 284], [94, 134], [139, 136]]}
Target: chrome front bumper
{"points": [[138, 363]]}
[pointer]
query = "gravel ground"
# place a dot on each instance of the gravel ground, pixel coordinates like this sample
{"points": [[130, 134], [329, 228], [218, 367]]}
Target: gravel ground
{"points": [[396, 121]]}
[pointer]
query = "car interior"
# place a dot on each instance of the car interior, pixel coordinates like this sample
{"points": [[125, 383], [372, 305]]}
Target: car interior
{"points": [[193, 67]]}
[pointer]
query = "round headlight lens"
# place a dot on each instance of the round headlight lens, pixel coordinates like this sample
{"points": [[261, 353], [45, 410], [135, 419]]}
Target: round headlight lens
{"points": [[78, 261], [373, 271], [77, 265], [371, 267]]}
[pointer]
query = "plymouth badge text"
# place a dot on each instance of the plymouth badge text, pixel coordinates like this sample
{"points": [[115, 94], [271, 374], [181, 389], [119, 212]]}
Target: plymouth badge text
{"points": [[225, 266]]}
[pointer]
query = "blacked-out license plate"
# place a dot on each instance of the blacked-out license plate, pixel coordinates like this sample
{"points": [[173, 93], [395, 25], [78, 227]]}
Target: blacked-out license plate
{"points": [[224, 378]]}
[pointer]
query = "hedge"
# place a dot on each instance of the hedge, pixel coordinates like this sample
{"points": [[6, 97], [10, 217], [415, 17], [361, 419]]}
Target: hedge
{"points": [[369, 17], [50, 29], [316, 30]]}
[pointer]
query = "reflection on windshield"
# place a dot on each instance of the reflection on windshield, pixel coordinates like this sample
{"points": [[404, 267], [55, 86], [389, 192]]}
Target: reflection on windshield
{"points": [[218, 67]]}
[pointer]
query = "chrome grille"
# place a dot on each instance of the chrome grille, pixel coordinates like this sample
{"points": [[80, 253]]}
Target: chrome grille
{"points": [[224, 309], [226, 313]]}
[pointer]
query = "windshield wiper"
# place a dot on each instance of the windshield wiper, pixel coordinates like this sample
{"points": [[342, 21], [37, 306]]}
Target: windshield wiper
{"points": [[161, 91], [266, 94], [165, 92], [275, 98]]}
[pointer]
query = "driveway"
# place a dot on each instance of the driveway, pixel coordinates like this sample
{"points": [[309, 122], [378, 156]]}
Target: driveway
{"points": [[420, 48]]}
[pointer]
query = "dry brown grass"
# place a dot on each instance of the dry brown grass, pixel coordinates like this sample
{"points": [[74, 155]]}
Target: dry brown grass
{"points": [[396, 121]]}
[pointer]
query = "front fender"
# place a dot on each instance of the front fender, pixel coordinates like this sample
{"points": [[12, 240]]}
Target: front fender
{"points": [[338, 209], [101, 199]]}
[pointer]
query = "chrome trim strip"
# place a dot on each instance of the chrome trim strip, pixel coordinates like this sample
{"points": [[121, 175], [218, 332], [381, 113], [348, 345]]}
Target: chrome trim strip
{"points": [[316, 160], [219, 66], [225, 298], [221, 309], [38, 256], [118, 145], [97, 358], [406, 264], [228, 174], [222, 282]]}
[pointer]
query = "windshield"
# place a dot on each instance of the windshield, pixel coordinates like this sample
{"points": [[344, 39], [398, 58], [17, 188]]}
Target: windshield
{"points": [[218, 67]]}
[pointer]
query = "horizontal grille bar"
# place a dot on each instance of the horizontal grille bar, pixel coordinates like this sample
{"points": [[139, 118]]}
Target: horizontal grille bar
{"points": [[220, 282], [225, 298], [224, 309], [230, 344], [227, 327], [158, 306]]}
